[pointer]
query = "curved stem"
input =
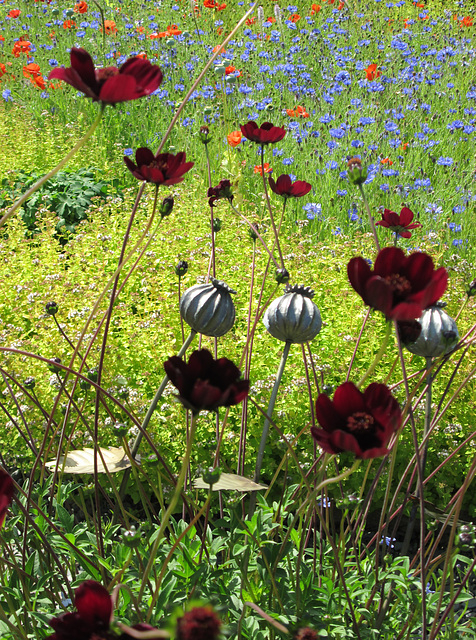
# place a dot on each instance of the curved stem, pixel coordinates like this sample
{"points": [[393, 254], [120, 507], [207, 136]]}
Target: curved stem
{"points": [[54, 171], [378, 356], [371, 218], [276, 236]]}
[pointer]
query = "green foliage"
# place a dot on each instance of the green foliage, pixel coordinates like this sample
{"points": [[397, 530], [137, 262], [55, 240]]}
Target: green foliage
{"points": [[68, 195]]}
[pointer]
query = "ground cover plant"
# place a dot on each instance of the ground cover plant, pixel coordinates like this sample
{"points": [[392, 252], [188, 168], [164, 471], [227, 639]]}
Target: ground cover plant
{"points": [[233, 401]]}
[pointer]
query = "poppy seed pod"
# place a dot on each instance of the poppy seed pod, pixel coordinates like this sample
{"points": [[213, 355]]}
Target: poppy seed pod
{"points": [[293, 317], [208, 308], [439, 333]]}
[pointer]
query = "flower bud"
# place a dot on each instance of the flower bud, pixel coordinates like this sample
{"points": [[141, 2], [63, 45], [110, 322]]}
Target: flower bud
{"points": [[165, 209], [181, 268], [328, 389], [52, 365], [357, 174], [211, 476], [465, 539], [252, 231], [217, 225], [306, 633], [208, 111], [204, 134], [131, 537], [120, 430], [220, 70], [93, 374], [51, 308], [282, 276], [471, 290], [29, 383]]}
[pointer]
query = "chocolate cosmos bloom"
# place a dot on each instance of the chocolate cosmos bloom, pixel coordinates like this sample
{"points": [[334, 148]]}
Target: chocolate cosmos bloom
{"points": [[284, 187], [200, 623], [205, 383], [164, 168], [92, 618], [361, 423], [6, 494], [266, 134], [222, 190], [399, 223], [134, 79], [400, 286]]}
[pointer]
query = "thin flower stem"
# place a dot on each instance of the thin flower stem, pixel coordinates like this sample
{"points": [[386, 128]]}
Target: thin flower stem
{"points": [[357, 343], [260, 238], [378, 356], [171, 507], [22, 199], [212, 257], [371, 218], [270, 209]]}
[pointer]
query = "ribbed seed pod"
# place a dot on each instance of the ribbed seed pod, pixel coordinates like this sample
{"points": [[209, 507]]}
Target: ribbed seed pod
{"points": [[439, 333], [293, 317], [208, 308]]}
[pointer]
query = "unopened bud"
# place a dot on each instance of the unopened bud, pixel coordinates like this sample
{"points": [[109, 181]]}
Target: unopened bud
{"points": [[282, 276], [181, 268], [356, 172], [204, 134], [217, 225], [166, 206], [211, 476], [51, 308]]}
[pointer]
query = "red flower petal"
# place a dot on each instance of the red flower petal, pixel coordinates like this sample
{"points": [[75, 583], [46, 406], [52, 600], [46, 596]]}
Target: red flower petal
{"points": [[94, 604]]}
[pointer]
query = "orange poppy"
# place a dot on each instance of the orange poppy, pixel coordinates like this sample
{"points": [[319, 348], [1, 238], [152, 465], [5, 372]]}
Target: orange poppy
{"points": [[371, 72], [219, 48], [419, 4], [230, 69], [258, 168], [234, 138], [2, 39], [315, 8], [31, 70], [220, 7], [142, 55], [271, 19], [386, 161], [69, 24], [140, 29], [250, 21], [298, 112], [38, 81], [341, 6], [209, 4], [110, 27], [294, 17], [404, 145], [173, 30], [467, 22], [14, 13], [80, 7], [21, 46]]}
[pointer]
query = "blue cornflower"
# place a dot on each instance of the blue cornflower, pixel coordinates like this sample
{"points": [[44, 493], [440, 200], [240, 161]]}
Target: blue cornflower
{"points": [[288, 161], [313, 210], [444, 162], [341, 192]]}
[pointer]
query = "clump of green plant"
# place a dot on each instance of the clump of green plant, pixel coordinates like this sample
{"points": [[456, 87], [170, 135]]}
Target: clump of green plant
{"points": [[68, 194]]}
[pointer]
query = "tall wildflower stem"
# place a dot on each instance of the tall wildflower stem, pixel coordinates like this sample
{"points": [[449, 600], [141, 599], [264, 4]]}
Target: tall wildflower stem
{"points": [[173, 503], [270, 209], [212, 222], [260, 238], [22, 199], [371, 218], [378, 356]]}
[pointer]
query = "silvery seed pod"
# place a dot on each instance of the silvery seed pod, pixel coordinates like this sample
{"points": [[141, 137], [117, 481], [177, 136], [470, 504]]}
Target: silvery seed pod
{"points": [[439, 333], [293, 317], [208, 308]]}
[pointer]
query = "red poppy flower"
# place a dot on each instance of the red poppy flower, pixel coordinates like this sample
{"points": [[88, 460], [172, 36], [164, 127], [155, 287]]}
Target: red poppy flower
{"points": [[259, 169], [134, 79], [400, 286], [164, 168], [371, 72], [266, 134], [6, 494], [223, 190], [284, 187], [80, 7], [399, 223], [361, 423], [234, 138], [206, 384], [14, 13]]}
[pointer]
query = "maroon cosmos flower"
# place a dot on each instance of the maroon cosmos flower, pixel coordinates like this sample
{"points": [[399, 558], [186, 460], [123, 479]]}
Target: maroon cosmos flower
{"points": [[164, 168], [400, 286], [134, 79], [92, 618], [222, 190], [286, 188], [205, 383], [6, 494], [200, 623], [361, 423], [266, 134], [399, 223]]}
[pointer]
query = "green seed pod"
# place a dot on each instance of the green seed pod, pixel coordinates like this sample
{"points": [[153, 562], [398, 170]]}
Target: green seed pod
{"points": [[439, 333], [52, 365], [51, 308], [211, 475], [293, 317], [29, 383], [208, 308]]}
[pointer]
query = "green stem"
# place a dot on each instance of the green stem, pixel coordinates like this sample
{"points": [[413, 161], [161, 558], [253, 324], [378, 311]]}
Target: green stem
{"points": [[275, 231], [172, 505], [54, 171], [378, 356], [371, 218]]}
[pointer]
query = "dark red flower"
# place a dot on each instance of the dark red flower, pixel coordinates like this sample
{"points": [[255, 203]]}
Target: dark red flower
{"points": [[200, 623], [286, 188], [92, 618], [306, 633], [164, 168], [6, 494], [223, 190], [361, 423], [400, 286], [266, 134], [399, 223], [205, 383], [134, 79]]}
